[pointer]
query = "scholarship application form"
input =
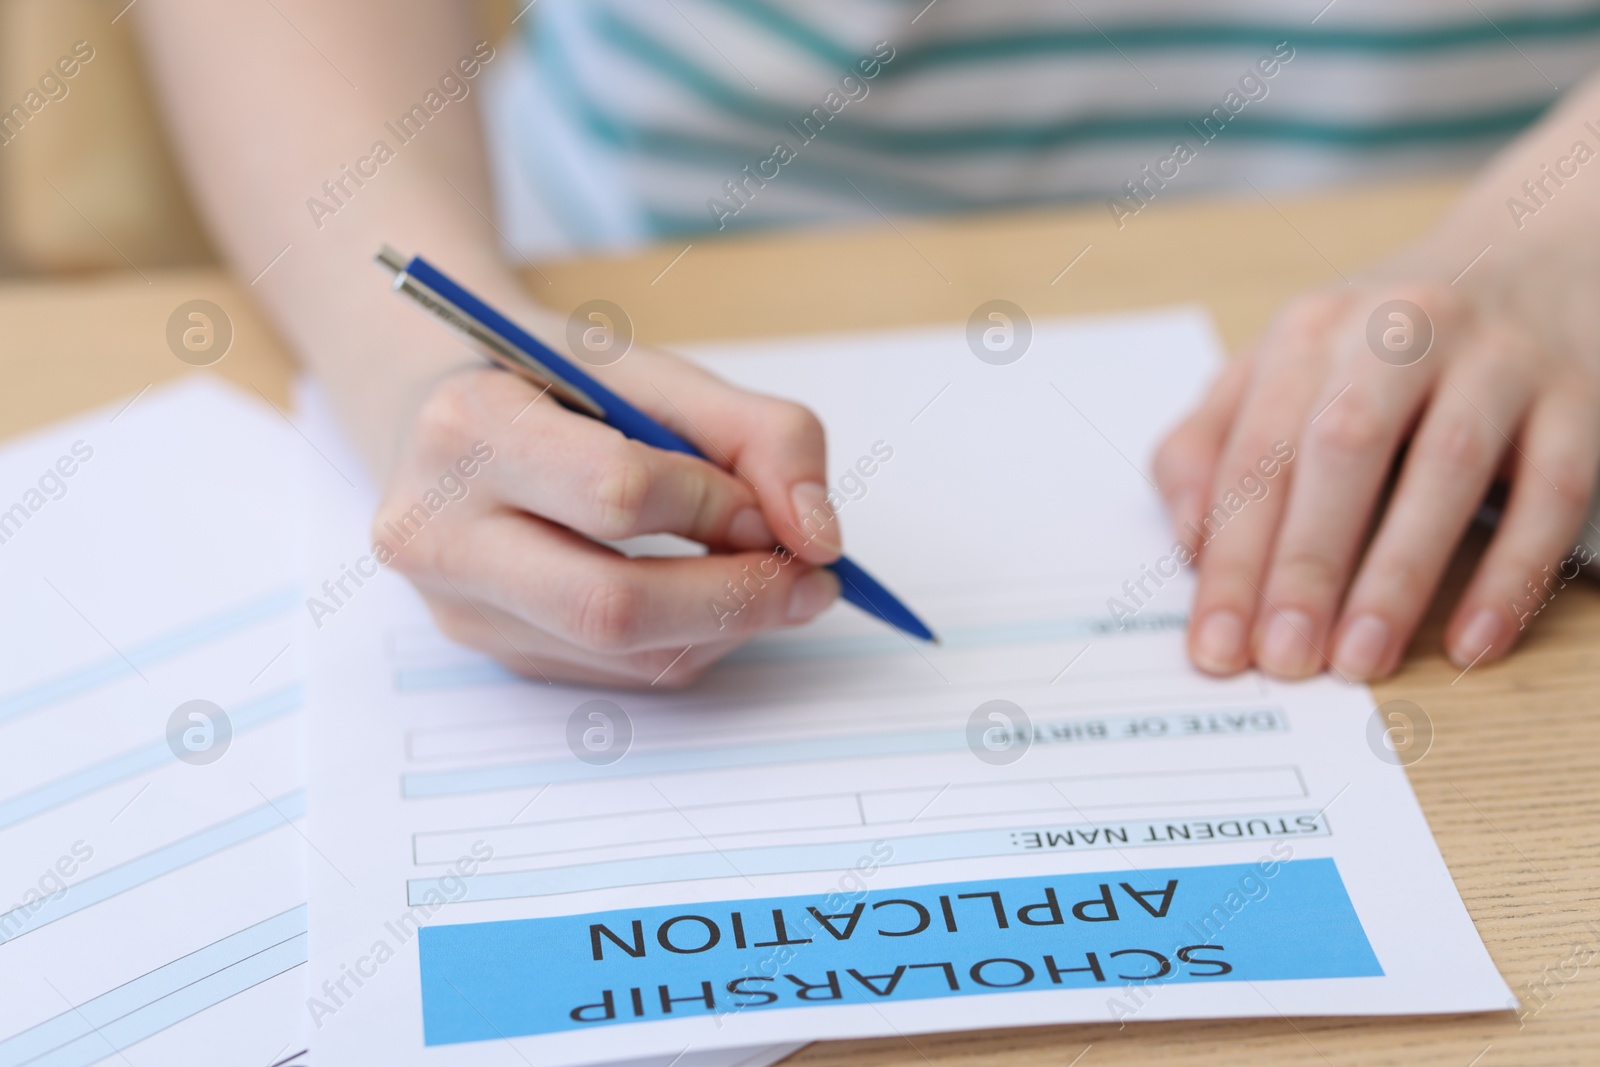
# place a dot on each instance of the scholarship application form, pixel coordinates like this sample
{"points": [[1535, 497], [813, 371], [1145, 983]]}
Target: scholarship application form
{"points": [[152, 896], [839, 832]]}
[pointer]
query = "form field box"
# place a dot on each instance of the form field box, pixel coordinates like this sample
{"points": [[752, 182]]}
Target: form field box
{"points": [[922, 804], [1164, 788], [487, 740], [693, 823]]}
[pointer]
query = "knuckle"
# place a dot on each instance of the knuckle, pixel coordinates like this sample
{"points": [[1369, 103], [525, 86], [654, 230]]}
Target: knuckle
{"points": [[1458, 446], [794, 423], [702, 503], [620, 494], [1255, 453], [1226, 582], [608, 615], [1571, 481], [1521, 568], [1444, 305], [750, 593], [1306, 574], [1508, 346], [1355, 424], [447, 416], [1402, 583]]}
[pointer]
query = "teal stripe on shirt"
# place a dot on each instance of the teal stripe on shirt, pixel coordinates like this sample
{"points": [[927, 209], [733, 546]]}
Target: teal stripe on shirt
{"points": [[716, 127], [1183, 36], [725, 158], [620, 132], [784, 26]]}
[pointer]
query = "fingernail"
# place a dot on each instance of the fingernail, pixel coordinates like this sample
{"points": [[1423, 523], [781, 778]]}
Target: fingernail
{"points": [[1361, 650], [811, 594], [1286, 648], [1479, 636], [1220, 643], [815, 519], [749, 530]]}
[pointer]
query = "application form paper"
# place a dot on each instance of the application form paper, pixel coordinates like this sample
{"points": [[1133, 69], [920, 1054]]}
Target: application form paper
{"points": [[839, 833], [152, 896]]}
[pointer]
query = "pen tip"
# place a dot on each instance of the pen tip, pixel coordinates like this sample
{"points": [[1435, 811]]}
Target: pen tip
{"points": [[933, 639]]}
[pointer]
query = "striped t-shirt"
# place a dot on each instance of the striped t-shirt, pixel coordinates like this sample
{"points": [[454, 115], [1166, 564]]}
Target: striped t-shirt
{"points": [[616, 122]]}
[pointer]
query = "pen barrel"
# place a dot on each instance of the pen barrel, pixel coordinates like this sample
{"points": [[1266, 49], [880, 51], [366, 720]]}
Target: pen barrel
{"points": [[856, 586]]}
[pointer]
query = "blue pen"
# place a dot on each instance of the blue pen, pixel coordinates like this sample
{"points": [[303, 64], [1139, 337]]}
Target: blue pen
{"points": [[516, 350]]}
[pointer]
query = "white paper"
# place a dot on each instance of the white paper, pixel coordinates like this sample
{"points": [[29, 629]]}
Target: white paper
{"points": [[840, 763], [152, 908]]}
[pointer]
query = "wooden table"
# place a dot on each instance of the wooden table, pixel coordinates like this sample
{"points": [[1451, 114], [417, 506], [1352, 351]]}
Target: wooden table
{"points": [[1511, 785]]}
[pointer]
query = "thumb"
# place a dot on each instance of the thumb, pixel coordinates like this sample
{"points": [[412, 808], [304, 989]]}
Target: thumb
{"points": [[777, 447]]}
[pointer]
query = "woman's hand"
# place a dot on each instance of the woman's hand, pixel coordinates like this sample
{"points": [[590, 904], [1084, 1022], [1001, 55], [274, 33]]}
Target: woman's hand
{"points": [[514, 567], [1494, 376], [1476, 354]]}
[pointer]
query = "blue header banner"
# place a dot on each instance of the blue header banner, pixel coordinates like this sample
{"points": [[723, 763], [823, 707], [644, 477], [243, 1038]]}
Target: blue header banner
{"points": [[1256, 921]]}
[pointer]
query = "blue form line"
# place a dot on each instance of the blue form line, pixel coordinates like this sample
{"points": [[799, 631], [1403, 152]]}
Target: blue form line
{"points": [[152, 1002], [679, 761], [26, 918], [146, 757], [83, 679], [518, 776], [834, 856], [422, 679], [417, 679], [1017, 633]]}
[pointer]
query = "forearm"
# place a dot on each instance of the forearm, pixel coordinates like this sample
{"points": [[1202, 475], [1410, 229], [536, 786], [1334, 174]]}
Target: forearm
{"points": [[1541, 192], [264, 113]]}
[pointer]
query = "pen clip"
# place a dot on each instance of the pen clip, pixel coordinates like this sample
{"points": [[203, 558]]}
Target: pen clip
{"points": [[502, 351]]}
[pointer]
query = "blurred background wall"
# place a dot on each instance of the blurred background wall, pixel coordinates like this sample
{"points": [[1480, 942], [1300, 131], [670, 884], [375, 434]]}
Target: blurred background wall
{"points": [[88, 181]]}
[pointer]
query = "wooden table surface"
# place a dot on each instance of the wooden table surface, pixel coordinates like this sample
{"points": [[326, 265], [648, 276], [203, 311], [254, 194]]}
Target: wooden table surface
{"points": [[1511, 785]]}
